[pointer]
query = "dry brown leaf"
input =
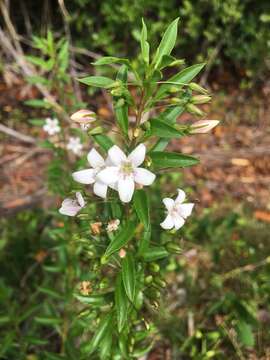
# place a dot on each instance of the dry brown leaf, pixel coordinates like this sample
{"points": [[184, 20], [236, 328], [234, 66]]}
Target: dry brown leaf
{"points": [[262, 215], [240, 162]]}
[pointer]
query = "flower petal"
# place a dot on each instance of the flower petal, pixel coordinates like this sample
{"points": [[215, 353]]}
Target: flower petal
{"points": [[186, 209], [86, 176], [178, 221], [69, 207], [95, 159], [143, 176], [116, 155], [80, 199], [100, 189], [126, 187], [181, 196], [168, 223], [137, 156], [169, 203], [109, 175]]}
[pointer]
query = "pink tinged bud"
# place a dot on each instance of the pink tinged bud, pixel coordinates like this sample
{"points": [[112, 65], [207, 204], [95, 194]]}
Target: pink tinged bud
{"points": [[83, 116], [122, 253], [203, 126]]}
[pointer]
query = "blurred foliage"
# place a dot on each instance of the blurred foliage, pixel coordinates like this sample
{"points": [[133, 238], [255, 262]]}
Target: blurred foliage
{"points": [[217, 304], [233, 32]]}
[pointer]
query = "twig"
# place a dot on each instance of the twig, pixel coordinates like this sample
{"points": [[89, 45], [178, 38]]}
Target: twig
{"points": [[17, 134]]}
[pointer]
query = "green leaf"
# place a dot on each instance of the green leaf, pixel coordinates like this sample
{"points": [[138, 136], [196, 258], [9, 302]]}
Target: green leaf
{"points": [[106, 344], [46, 65], [37, 80], [104, 324], [49, 321], [38, 103], [161, 129], [36, 122], [107, 60], [245, 334], [96, 300], [121, 303], [50, 292], [121, 114], [141, 205], [145, 48], [129, 276], [162, 159], [97, 81], [166, 60], [167, 43], [122, 74], [155, 253], [103, 141], [121, 239], [183, 77]]}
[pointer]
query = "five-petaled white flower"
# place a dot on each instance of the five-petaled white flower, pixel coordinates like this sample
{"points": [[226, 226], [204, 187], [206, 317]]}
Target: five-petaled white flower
{"points": [[125, 171], [71, 207], [89, 176], [75, 145], [177, 211], [51, 126]]}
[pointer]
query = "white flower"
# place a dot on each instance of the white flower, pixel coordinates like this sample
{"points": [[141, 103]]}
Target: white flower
{"points": [[203, 126], [113, 225], [51, 126], [71, 207], [125, 171], [83, 116], [75, 145], [89, 176], [177, 211]]}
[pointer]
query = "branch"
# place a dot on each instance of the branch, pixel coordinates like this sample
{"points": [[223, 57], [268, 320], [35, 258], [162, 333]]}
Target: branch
{"points": [[16, 134]]}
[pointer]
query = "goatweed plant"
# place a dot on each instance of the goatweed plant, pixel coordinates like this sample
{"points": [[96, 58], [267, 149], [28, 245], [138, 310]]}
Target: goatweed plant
{"points": [[125, 281]]}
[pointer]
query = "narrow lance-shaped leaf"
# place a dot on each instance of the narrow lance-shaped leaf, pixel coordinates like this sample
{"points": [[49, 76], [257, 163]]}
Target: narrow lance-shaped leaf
{"points": [[183, 77], [162, 159], [169, 116], [121, 303], [97, 81], [155, 253], [104, 324], [141, 205], [103, 141], [167, 42], [144, 44], [121, 112], [107, 60], [161, 129], [129, 276], [121, 239]]}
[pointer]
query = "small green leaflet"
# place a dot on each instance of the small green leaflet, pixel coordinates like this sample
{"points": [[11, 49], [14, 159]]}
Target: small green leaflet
{"points": [[129, 276], [167, 43], [155, 253], [183, 77], [121, 303], [97, 81], [103, 141], [163, 130], [107, 60], [162, 159], [141, 205], [145, 48]]}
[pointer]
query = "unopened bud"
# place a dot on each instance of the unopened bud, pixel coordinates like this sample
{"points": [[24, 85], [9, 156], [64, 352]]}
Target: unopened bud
{"points": [[84, 116], [122, 253], [194, 110], [176, 101], [136, 132], [120, 103], [160, 282], [85, 287], [97, 130], [200, 99], [115, 84], [148, 279], [104, 284], [113, 225], [203, 126], [173, 89], [198, 88], [154, 267], [177, 62], [173, 248], [117, 92]]}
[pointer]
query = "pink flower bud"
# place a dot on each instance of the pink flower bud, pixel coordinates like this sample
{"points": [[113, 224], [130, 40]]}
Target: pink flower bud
{"points": [[83, 116], [122, 253], [203, 126]]}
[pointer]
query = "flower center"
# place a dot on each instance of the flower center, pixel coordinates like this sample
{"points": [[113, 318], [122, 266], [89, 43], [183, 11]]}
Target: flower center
{"points": [[126, 168]]}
